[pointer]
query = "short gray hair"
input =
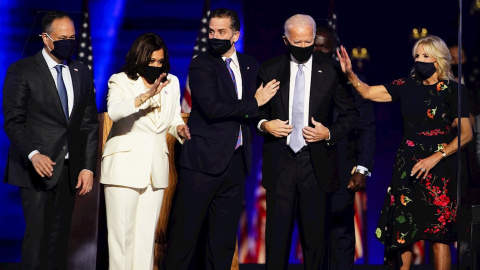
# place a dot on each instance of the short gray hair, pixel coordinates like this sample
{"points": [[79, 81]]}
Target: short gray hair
{"points": [[300, 20]]}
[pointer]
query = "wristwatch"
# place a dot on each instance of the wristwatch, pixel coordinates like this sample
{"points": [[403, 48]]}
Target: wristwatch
{"points": [[365, 173], [443, 153]]}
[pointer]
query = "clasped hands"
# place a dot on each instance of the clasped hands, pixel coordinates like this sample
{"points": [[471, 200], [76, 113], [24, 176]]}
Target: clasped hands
{"points": [[279, 128]]}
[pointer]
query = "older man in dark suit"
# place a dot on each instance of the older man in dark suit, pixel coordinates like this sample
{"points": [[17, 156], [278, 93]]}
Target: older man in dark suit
{"points": [[300, 159], [214, 163], [51, 121]]}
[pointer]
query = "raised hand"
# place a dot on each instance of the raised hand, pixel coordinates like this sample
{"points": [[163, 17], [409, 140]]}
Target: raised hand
{"points": [[345, 61], [157, 86], [265, 93]]}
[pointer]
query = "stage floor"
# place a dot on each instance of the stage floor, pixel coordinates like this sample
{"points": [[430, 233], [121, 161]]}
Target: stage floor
{"points": [[16, 266]]}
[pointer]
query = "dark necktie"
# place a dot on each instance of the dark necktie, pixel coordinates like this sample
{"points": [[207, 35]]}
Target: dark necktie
{"points": [[227, 61], [62, 90]]}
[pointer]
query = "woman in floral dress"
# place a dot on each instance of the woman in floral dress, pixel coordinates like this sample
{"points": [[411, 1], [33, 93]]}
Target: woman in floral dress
{"points": [[421, 200]]}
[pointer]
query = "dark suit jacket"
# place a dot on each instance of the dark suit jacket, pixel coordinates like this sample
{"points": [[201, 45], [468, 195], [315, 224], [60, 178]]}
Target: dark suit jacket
{"points": [[326, 92], [34, 120], [217, 113], [358, 148]]}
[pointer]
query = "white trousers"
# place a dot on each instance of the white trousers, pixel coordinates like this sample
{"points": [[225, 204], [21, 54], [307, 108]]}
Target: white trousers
{"points": [[132, 217]]}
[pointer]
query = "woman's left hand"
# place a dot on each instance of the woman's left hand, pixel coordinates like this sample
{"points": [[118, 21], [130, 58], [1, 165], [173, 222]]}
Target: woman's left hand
{"points": [[183, 131], [423, 167]]}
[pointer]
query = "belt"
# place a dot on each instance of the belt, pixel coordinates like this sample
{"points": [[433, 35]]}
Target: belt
{"points": [[306, 148]]}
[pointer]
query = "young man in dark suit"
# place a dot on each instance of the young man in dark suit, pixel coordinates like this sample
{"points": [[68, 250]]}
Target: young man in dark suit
{"points": [[51, 121], [355, 158], [300, 159], [214, 163]]}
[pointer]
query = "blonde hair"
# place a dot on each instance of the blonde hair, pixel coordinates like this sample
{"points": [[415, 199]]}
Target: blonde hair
{"points": [[302, 21], [435, 47]]}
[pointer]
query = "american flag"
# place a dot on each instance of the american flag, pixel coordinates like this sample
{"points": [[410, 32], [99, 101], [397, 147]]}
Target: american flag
{"points": [[252, 227], [84, 51], [200, 46], [360, 206]]}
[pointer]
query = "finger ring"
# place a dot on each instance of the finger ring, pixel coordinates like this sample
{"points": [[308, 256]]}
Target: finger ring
{"points": [[422, 169]]}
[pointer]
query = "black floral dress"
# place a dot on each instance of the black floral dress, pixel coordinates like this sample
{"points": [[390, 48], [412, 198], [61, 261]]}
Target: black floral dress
{"points": [[417, 209]]}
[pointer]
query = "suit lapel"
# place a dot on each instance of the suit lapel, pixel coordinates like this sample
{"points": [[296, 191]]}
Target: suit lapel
{"points": [[50, 86], [244, 73], [315, 89], [283, 73], [226, 74], [75, 74]]}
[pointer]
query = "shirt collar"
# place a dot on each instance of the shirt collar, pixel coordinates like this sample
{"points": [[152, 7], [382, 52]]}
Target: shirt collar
{"points": [[50, 62], [307, 64], [233, 57]]}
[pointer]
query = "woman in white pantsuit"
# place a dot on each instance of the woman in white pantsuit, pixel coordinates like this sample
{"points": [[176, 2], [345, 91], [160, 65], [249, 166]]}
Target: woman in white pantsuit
{"points": [[144, 104]]}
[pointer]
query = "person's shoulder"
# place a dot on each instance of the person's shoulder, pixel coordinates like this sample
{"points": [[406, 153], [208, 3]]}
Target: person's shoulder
{"points": [[276, 60], [401, 81], [172, 78], [120, 77], [245, 57], [27, 61]]}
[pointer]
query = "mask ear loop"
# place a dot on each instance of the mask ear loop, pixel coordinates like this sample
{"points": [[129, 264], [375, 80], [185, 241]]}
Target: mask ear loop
{"points": [[49, 38]]}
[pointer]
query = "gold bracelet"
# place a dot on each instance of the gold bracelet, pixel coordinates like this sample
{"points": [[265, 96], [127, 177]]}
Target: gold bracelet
{"points": [[357, 84], [140, 98]]}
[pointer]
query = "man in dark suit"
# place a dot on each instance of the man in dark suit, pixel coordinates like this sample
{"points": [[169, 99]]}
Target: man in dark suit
{"points": [[51, 121], [215, 161], [355, 151], [300, 159]]}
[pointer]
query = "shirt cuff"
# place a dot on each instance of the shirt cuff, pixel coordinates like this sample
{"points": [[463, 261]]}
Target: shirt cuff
{"points": [[32, 154], [88, 170], [260, 124], [360, 167]]}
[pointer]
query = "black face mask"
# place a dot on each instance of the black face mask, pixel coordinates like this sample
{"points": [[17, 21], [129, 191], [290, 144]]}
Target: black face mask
{"points": [[301, 54], [152, 73], [63, 49], [455, 70], [220, 46], [424, 70]]}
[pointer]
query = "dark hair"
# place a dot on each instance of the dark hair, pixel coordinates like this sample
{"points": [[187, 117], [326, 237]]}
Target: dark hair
{"points": [[227, 13], [138, 57], [51, 16]]}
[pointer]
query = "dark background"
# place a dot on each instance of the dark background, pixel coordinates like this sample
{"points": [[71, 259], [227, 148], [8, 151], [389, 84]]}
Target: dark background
{"points": [[383, 27]]}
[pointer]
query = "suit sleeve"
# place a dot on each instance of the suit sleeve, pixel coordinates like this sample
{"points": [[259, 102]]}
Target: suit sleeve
{"points": [[15, 99], [265, 109], [365, 132], [89, 127], [177, 118], [347, 114], [203, 82], [119, 105]]}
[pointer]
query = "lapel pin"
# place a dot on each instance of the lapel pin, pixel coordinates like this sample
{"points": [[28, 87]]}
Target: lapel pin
{"points": [[319, 71], [248, 67], [75, 69]]}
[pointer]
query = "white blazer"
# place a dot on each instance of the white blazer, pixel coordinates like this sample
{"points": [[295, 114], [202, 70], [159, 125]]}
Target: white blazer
{"points": [[136, 152]]}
